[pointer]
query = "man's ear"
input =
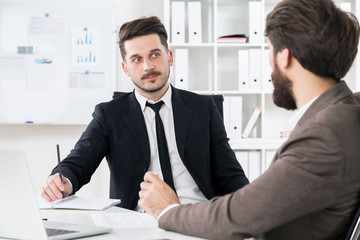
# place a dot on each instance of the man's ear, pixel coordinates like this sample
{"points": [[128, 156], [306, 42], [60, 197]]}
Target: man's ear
{"points": [[171, 57], [124, 67], [284, 58]]}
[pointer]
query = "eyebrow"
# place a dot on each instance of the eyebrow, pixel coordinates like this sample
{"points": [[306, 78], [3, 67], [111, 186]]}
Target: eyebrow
{"points": [[155, 50], [134, 56], [151, 51]]}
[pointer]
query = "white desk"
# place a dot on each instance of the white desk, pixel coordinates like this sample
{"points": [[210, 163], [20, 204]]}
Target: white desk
{"points": [[83, 217]]}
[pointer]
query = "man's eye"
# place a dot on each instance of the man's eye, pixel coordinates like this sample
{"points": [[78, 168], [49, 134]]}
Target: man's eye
{"points": [[155, 55], [137, 59]]}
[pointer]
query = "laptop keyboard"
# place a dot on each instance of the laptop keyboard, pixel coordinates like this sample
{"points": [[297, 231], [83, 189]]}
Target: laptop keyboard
{"points": [[55, 232]]}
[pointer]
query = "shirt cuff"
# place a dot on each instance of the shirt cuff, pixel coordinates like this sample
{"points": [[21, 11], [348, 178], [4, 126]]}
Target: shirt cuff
{"points": [[71, 186], [167, 209]]}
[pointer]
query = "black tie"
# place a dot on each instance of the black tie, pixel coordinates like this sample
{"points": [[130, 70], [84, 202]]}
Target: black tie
{"points": [[162, 145]]}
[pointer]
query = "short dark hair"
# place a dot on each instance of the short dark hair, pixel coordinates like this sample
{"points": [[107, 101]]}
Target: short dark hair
{"points": [[323, 38], [141, 27]]}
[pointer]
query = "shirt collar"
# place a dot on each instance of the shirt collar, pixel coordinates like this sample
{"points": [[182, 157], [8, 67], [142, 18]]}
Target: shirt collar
{"points": [[296, 117], [166, 98]]}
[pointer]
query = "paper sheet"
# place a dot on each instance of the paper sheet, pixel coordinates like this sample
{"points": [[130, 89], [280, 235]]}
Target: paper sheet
{"points": [[47, 33], [12, 66], [87, 80], [42, 71], [85, 46], [124, 220], [74, 202]]}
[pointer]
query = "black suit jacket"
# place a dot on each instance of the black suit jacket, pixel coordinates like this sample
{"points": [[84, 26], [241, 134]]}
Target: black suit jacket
{"points": [[118, 132]]}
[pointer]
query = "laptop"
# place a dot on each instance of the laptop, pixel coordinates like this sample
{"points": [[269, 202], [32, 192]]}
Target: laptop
{"points": [[19, 213]]}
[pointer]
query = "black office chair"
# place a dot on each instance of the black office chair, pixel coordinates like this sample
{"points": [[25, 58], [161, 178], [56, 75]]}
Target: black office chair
{"points": [[218, 99], [354, 230], [118, 94]]}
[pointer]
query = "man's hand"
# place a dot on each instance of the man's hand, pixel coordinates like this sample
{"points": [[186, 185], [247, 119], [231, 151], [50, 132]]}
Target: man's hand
{"points": [[53, 189], [155, 195]]}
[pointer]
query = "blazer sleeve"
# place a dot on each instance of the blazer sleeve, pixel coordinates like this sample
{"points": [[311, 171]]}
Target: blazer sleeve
{"points": [[304, 179], [88, 152], [228, 174]]}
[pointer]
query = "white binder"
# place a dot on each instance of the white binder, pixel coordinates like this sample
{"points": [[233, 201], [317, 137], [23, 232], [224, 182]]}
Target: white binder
{"points": [[254, 165], [255, 69], [232, 110], [243, 159], [181, 65], [267, 85], [178, 22], [194, 22], [243, 69], [255, 29], [235, 111]]}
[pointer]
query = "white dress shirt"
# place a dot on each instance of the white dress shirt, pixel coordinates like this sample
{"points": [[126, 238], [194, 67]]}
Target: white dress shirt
{"points": [[186, 188], [296, 117]]}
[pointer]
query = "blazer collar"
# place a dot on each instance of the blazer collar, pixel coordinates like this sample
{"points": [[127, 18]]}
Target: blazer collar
{"points": [[182, 119], [134, 120], [132, 105], [333, 95]]}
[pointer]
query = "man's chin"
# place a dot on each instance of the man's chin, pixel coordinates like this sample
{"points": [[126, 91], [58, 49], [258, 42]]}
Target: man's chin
{"points": [[284, 100], [151, 87]]}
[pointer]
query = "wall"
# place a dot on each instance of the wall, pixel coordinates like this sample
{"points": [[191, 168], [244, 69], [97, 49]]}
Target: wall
{"points": [[39, 141]]}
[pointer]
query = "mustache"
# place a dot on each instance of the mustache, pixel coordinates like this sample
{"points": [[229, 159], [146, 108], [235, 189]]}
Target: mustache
{"points": [[151, 74]]}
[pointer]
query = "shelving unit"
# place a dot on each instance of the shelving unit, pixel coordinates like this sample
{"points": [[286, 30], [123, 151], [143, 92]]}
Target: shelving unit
{"points": [[213, 66]]}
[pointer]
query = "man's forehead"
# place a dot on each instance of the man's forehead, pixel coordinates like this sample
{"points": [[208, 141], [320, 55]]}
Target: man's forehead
{"points": [[143, 44], [147, 42]]}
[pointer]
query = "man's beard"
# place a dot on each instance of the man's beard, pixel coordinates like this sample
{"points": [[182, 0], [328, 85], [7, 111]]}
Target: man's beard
{"points": [[282, 95], [154, 89]]}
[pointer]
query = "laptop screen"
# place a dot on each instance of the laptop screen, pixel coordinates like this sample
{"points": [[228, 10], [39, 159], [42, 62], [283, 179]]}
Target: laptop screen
{"points": [[20, 216]]}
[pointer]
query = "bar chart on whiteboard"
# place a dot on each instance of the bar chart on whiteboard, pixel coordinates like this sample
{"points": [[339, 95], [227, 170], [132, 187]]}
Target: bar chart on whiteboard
{"points": [[85, 46]]}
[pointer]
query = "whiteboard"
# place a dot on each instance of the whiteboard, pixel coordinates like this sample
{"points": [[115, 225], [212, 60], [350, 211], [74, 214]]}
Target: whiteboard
{"points": [[56, 62]]}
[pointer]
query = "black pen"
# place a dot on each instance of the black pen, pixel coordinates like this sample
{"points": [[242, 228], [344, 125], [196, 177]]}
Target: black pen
{"points": [[59, 165]]}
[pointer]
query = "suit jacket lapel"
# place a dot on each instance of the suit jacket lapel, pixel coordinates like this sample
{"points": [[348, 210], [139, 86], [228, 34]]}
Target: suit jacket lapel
{"points": [[134, 119], [182, 119]]}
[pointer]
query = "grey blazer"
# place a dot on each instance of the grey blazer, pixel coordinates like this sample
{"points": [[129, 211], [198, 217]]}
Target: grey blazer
{"points": [[310, 191]]}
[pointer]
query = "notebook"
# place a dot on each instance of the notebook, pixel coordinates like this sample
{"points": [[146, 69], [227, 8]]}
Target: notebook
{"points": [[20, 216], [75, 202]]}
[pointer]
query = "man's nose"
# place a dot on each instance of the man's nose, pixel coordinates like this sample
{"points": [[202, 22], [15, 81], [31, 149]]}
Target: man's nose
{"points": [[148, 65]]}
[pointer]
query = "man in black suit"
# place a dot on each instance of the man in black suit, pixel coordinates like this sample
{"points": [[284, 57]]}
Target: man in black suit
{"points": [[124, 130]]}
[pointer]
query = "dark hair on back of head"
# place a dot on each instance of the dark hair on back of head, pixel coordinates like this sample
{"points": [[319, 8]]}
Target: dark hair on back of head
{"points": [[323, 38]]}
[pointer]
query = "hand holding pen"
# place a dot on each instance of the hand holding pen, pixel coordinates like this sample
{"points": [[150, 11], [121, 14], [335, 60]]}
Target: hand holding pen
{"points": [[59, 167], [56, 186]]}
